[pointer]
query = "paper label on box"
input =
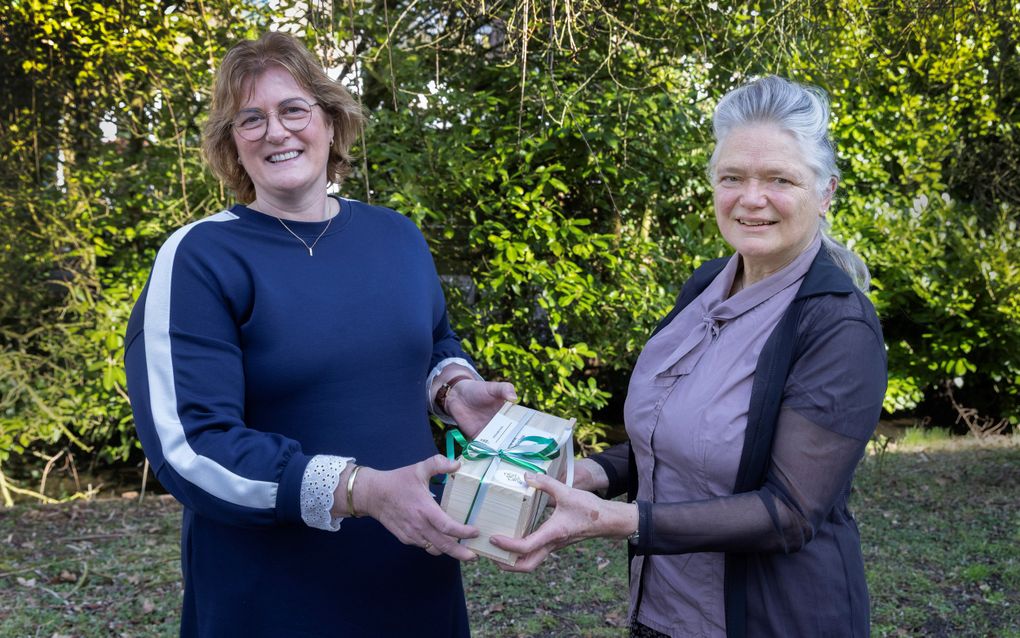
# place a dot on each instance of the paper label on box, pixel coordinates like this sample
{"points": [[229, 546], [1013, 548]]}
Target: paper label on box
{"points": [[497, 430]]}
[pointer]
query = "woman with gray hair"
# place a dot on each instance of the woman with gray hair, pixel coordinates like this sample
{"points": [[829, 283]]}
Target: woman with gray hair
{"points": [[749, 407]]}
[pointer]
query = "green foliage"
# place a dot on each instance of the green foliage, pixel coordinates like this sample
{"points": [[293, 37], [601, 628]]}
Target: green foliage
{"points": [[948, 295], [554, 158], [617, 116], [547, 201], [80, 215], [929, 95]]}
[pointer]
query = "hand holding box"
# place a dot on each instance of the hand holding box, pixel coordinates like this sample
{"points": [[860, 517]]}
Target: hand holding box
{"points": [[489, 490]]}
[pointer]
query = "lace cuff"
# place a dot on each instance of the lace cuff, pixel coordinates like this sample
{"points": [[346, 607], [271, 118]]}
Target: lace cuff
{"points": [[322, 475]]}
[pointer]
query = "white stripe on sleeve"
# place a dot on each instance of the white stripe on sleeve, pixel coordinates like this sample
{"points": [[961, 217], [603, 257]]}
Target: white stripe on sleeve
{"points": [[198, 470]]}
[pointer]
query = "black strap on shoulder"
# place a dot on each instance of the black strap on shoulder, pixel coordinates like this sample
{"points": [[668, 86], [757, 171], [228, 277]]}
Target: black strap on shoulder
{"points": [[774, 364], [766, 398], [700, 280]]}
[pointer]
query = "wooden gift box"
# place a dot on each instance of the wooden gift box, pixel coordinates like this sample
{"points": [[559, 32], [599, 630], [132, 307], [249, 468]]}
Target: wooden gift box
{"points": [[491, 493]]}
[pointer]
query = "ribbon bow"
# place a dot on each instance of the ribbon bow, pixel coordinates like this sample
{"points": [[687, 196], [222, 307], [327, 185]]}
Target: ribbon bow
{"points": [[529, 448]]}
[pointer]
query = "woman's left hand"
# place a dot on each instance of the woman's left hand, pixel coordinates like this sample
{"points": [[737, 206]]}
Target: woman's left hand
{"points": [[472, 404], [578, 515], [400, 499]]}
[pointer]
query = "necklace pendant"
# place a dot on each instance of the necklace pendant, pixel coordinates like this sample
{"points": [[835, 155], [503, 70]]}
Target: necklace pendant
{"points": [[311, 253]]}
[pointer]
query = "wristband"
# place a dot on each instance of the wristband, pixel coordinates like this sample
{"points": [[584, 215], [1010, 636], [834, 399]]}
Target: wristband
{"points": [[635, 536]]}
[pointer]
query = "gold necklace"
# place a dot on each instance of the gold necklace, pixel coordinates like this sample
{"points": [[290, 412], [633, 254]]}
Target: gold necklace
{"points": [[303, 242]]}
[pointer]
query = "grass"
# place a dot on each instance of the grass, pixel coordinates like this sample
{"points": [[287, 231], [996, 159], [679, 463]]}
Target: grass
{"points": [[99, 568], [940, 522], [919, 437]]}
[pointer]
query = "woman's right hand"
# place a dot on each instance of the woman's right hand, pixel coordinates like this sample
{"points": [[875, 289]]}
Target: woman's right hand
{"points": [[578, 515], [400, 499], [589, 476]]}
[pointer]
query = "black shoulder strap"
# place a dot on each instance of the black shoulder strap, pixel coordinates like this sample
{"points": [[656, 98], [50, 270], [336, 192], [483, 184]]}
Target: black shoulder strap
{"points": [[766, 398], [774, 363], [694, 287]]}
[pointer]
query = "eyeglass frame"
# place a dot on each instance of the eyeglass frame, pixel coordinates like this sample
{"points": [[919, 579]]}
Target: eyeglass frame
{"points": [[276, 112]]}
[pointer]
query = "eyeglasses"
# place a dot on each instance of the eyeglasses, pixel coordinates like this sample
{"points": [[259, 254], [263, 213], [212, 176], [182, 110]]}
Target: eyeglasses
{"points": [[294, 115]]}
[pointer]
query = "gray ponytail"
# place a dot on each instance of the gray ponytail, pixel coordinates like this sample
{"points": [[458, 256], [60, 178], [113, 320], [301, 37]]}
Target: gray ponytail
{"points": [[802, 111], [847, 260]]}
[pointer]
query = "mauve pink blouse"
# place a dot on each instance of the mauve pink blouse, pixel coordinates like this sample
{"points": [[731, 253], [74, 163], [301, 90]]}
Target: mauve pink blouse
{"points": [[686, 413]]}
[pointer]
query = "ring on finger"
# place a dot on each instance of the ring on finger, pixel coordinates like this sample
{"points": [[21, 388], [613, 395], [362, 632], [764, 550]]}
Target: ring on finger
{"points": [[427, 546]]}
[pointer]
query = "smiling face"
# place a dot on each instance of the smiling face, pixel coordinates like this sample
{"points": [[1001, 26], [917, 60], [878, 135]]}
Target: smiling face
{"points": [[767, 201], [284, 165]]}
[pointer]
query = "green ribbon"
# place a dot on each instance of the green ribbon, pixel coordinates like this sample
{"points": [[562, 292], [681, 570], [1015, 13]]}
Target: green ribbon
{"points": [[529, 448]]}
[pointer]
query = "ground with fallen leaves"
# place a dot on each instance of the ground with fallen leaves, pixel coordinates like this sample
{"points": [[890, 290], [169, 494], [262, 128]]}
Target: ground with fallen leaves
{"points": [[90, 568], [940, 527]]}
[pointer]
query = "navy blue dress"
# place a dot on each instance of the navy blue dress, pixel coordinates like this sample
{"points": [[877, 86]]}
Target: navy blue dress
{"points": [[246, 356]]}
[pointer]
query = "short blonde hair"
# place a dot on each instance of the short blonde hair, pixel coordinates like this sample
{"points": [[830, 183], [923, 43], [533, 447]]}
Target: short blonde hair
{"points": [[244, 63]]}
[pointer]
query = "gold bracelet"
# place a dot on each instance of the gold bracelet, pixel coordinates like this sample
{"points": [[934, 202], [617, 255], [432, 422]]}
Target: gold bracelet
{"points": [[350, 492]]}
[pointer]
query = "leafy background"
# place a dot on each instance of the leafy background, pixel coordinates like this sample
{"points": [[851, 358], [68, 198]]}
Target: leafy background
{"points": [[553, 154]]}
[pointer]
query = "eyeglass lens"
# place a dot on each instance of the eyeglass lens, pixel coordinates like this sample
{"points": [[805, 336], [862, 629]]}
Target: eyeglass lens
{"points": [[294, 115]]}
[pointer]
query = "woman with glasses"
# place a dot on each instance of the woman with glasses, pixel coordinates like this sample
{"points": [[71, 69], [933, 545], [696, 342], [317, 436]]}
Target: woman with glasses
{"points": [[282, 361]]}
